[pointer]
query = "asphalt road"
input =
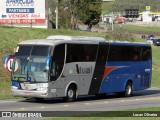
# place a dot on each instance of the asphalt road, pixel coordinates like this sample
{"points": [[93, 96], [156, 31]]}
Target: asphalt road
{"points": [[145, 98]]}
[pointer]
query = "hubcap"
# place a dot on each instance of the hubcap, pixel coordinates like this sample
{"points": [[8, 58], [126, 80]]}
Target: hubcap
{"points": [[70, 93], [128, 90]]}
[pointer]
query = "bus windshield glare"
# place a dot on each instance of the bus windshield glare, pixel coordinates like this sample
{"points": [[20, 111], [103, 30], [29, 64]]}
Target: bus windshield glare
{"points": [[30, 64]]}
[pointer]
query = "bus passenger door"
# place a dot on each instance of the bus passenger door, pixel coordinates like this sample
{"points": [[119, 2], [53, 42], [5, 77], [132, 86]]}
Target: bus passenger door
{"points": [[101, 59], [56, 73]]}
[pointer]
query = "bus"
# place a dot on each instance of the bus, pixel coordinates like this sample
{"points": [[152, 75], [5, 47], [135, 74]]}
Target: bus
{"points": [[71, 66]]}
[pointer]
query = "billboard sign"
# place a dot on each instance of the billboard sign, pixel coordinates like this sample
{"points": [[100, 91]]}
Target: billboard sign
{"points": [[22, 11]]}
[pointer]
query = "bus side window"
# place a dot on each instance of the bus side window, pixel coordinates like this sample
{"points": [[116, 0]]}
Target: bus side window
{"points": [[69, 58], [87, 58], [136, 57], [146, 55]]}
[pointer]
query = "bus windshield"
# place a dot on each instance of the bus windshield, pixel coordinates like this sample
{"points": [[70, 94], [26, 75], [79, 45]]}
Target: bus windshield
{"points": [[30, 64]]}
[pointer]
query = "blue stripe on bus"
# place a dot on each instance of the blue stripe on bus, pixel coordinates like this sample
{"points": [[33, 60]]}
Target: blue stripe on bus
{"points": [[117, 74], [15, 84]]}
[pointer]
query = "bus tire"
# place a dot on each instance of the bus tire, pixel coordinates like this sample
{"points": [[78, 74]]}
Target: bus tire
{"points": [[128, 90], [71, 94]]}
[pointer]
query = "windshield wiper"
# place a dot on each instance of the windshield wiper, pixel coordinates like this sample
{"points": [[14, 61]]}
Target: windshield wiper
{"points": [[26, 64], [31, 73]]}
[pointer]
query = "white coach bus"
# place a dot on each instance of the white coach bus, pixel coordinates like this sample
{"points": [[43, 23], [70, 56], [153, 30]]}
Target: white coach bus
{"points": [[69, 66]]}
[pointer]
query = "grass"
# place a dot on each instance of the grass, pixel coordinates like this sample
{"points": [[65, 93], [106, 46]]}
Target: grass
{"points": [[116, 115], [141, 29], [156, 65]]}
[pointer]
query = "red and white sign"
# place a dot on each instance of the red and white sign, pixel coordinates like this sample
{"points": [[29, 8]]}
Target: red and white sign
{"points": [[9, 65], [8, 61], [22, 11]]}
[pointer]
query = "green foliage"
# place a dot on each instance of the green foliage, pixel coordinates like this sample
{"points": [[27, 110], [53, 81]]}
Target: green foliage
{"points": [[72, 12], [93, 13], [120, 36]]}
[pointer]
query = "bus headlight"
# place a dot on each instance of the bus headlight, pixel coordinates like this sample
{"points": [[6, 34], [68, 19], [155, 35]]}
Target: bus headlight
{"points": [[14, 87]]}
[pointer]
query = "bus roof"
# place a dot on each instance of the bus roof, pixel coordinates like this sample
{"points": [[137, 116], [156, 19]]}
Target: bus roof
{"points": [[128, 43], [57, 39], [76, 38], [36, 42], [51, 40]]}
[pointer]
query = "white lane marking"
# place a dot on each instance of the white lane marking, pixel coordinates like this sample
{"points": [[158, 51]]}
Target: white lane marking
{"points": [[152, 98], [66, 105], [87, 103], [138, 99]]}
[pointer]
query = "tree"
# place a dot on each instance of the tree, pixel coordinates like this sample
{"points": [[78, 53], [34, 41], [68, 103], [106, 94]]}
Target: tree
{"points": [[92, 14], [75, 9], [86, 11]]}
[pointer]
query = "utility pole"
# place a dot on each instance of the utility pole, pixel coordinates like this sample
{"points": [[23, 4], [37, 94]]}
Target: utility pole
{"points": [[112, 22], [56, 14], [47, 6]]}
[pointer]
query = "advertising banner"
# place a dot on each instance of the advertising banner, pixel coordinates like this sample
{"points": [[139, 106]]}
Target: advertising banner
{"points": [[22, 11]]}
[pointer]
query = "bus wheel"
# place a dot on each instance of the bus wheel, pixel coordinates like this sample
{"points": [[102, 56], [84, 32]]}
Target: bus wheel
{"points": [[128, 90], [71, 94]]}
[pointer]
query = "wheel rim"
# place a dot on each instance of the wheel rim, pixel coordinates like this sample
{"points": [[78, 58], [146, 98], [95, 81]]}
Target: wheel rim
{"points": [[128, 89], [70, 93]]}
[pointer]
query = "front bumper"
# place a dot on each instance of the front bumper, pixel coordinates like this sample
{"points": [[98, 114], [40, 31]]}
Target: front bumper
{"points": [[28, 93]]}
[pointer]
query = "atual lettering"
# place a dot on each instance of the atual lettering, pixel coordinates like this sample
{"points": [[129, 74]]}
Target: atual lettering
{"points": [[84, 70]]}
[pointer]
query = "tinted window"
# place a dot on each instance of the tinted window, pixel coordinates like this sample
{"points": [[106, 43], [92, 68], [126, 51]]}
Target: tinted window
{"points": [[124, 53], [33, 50], [23, 50], [57, 62], [146, 54], [40, 50], [81, 52]]}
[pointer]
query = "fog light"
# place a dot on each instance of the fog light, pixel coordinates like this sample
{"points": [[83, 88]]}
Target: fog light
{"points": [[44, 94]]}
